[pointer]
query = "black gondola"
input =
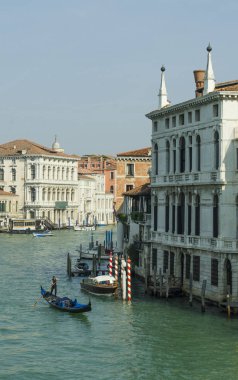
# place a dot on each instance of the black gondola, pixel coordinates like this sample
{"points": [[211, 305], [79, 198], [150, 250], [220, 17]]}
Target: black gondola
{"points": [[65, 303]]}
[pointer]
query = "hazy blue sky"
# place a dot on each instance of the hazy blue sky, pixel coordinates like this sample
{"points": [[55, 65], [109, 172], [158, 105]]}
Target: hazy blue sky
{"points": [[89, 70]]}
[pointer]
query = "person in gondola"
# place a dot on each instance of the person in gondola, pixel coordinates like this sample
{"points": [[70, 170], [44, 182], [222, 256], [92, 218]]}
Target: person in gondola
{"points": [[53, 285]]}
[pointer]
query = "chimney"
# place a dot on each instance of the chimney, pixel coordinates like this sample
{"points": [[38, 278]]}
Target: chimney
{"points": [[199, 80]]}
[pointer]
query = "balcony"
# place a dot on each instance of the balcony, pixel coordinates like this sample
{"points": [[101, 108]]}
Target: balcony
{"points": [[189, 178], [198, 242]]}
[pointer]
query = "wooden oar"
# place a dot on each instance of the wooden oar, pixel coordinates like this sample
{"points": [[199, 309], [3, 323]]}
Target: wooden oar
{"points": [[38, 299]]}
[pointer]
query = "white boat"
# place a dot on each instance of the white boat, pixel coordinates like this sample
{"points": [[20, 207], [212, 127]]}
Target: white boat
{"points": [[43, 234], [100, 285], [80, 227]]}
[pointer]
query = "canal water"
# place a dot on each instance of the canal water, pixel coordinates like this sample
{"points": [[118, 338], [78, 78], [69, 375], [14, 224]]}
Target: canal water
{"points": [[147, 339]]}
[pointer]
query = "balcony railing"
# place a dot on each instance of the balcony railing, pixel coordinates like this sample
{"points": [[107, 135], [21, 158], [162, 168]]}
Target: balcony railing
{"points": [[191, 177], [216, 244]]}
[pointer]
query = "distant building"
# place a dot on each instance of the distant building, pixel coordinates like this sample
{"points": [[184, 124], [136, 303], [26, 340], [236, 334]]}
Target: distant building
{"points": [[194, 187], [132, 171], [45, 180], [96, 175], [8, 208]]}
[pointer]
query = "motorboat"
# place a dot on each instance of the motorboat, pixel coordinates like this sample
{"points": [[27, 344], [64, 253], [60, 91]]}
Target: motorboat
{"points": [[100, 285]]}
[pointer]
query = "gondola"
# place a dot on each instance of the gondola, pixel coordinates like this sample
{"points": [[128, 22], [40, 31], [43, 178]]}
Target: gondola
{"points": [[65, 303]]}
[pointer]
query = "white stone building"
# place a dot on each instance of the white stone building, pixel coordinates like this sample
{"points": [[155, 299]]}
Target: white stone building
{"points": [[44, 179], [95, 205], [195, 186]]}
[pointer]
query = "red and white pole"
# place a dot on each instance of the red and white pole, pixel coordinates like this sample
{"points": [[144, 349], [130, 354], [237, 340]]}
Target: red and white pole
{"points": [[129, 279], [116, 267], [110, 264]]}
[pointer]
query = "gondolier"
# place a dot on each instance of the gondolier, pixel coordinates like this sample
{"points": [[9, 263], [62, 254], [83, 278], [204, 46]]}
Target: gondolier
{"points": [[53, 285]]}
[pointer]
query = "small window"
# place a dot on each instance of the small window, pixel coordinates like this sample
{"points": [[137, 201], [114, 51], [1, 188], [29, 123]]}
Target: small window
{"points": [[1, 174], [130, 170], [181, 119], [129, 187], [197, 115], [190, 117], [196, 268], [111, 175], [167, 123], [154, 258], [236, 158], [155, 126], [214, 272], [111, 189], [215, 110], [174, 121]]}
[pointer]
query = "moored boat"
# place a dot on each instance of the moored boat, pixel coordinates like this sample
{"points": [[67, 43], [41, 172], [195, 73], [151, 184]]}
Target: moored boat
{"points": [[100, 285], [86, 227], [42, 234], [65, 303]]}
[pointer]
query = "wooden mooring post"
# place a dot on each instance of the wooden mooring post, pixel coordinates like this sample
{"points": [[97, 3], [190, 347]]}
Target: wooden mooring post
{"points": [[204, 284], [146, 276], [228, 297], [69, 265], [191, 289], [167, 285], [160, 283], [154, 277]]}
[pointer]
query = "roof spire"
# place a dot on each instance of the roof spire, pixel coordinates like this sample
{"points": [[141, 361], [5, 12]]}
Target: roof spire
{"points": [[163, 100], [209, 79]]}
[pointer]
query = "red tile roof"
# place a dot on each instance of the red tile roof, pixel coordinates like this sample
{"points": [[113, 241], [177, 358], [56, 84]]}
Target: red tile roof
{"points": [[138, 191], [17, 147], [144, 152]]}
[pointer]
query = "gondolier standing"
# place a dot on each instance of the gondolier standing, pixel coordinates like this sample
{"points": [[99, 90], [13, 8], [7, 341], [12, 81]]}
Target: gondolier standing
{"points": [[53, 285]]}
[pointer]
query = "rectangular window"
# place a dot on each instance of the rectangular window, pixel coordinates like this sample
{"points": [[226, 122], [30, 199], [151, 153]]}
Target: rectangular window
{"points": [[197, 115], [196, 268], [166, 261], [215, 110], [188, 266], [130, 170], [111, 175], [190, 151], [236, 158], [190, 117], [167, 123], [181, 119], [174, 121], [214, 272], [154, 258], [129, 187], [155, 126], [189, 219]]}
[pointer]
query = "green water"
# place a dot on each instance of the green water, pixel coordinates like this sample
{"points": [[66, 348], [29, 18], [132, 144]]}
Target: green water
{"points": [[147, 339]]}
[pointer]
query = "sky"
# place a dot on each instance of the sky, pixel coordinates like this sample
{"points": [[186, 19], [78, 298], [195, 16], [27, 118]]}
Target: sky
{"points": [[88, 71]]}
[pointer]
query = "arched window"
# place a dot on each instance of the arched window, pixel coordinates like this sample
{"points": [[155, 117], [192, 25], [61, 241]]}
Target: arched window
{"points": [[167, 213], [216, 150], [173, 213], [215, 216], [43, 194], [189, 214], [33, 194], [156, 159], [197, 215], [182, 147], [198, 146], [237, 217], [180, 214], [33, 171], [174, 156], [155, 213], [13, 174], [72, 174], [167, 157]]}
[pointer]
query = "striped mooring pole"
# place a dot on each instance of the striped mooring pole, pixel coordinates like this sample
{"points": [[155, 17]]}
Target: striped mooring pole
{"points": [[110, 264], [129, 279], [116, 267]]}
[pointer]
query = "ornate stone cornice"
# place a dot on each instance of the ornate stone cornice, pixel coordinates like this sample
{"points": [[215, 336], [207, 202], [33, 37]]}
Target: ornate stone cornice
{"points": [[193, 103]]}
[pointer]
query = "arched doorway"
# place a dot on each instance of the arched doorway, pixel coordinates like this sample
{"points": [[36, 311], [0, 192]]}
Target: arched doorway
{"points": [[228, 276]]}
